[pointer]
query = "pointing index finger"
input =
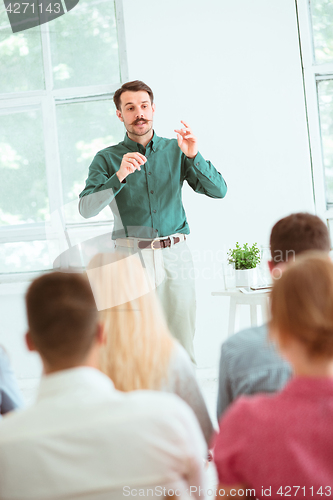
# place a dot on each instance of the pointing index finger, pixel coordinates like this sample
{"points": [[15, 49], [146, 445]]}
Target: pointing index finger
{"points": [[184, 123]]}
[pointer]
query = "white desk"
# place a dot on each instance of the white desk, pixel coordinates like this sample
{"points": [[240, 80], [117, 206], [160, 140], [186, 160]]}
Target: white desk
{"points": [[253, 300]]}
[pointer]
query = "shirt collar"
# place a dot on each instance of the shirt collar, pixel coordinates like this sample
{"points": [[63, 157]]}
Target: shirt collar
{"points": [[134, 146], [73, 379]]}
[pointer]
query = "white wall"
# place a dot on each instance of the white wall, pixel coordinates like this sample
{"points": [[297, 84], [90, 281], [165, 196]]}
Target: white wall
{"points": [[232, 70]]}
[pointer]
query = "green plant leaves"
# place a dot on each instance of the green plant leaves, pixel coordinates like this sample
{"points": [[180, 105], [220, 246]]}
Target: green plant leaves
{"points": [[245, 257]]}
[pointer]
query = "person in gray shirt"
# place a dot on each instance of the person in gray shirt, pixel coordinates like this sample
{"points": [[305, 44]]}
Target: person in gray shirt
{"points": [[10, 394], [249, 361]]}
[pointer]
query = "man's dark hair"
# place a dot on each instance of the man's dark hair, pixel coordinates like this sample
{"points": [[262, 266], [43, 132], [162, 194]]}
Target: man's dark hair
{"points": [[134, 86], [62, 317], [298, 233]]}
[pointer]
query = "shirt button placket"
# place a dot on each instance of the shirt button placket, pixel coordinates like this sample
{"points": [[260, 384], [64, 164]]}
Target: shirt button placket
{"points": [[150, 181]]}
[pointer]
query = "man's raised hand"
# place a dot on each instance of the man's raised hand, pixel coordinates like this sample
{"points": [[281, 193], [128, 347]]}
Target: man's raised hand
{"points": [[187, 141], [130, 163]]}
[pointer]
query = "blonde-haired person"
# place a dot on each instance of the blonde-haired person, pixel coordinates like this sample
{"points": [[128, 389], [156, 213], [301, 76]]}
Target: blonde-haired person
{"points": [[282, 445], [139, 351]]}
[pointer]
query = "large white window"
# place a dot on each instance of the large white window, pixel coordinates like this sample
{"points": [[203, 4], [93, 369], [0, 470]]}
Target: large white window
{"points": [[316, 34], [56, 111]]}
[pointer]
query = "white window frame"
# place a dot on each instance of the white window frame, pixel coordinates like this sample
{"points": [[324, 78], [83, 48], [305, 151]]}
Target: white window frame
{"points": [[46, 101], [312, 74]]}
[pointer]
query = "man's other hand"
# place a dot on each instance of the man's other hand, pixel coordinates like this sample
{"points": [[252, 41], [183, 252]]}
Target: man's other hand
{"points": [[187, 141], [130, 163]]}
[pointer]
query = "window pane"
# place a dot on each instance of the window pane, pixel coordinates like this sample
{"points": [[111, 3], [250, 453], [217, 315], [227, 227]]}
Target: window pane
{"points": [[84, 45], [325, 94], [23, 189], [21, 58], [322, 21], [83, 130], [24, 257]]}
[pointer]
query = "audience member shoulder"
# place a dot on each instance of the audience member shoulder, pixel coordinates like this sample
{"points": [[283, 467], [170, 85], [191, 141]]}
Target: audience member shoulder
{"points": [[166, 414], [253, 337], [180, 357], [158, 402], [164, 408], [247, 412]]}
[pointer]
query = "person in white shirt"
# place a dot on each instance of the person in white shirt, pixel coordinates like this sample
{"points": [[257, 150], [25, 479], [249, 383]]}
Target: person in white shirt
{"points": [[83, 439], [139, 351]]}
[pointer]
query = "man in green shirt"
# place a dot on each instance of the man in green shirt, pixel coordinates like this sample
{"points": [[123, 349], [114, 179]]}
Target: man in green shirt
{"points": [[141, 179]]}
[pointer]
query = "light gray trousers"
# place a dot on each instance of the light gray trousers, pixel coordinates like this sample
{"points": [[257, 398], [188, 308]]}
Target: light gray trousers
{"points": [[171, 273]]}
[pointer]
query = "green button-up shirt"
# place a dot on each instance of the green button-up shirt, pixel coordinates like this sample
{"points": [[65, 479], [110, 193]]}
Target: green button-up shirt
{"points": [[148, 203]]}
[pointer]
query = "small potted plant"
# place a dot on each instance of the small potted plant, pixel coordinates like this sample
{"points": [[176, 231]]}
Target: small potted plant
{"points": [[245, 260]]}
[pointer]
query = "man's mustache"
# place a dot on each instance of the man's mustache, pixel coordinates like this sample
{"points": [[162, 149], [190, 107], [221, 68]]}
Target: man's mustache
{"points": [[140, 120]]}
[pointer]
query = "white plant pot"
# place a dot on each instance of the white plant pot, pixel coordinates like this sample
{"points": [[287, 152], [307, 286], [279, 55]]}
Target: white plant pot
{"points": [[246, 277]]}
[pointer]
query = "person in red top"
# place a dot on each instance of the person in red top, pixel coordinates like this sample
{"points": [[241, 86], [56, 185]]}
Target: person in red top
{"points": [[281, 445]]}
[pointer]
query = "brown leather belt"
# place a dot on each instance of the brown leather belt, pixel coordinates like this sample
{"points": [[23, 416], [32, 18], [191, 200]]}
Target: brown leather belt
{"points": [[157, 244]]}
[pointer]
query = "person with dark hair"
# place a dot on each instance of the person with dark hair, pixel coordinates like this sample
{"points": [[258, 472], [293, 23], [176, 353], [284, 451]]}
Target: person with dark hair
{"points": [[83, 438], [281, 445], [10, 394], [141, 178], [249, 362], [134, 86]]}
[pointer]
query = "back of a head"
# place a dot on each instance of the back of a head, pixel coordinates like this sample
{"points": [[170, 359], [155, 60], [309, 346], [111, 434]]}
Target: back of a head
{"points": [[301, 304], [62, 317], [138, 344], [298, 233]]}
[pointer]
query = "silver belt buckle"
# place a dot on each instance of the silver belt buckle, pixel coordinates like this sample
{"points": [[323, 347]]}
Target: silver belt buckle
{"points": [[152, 245]]}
